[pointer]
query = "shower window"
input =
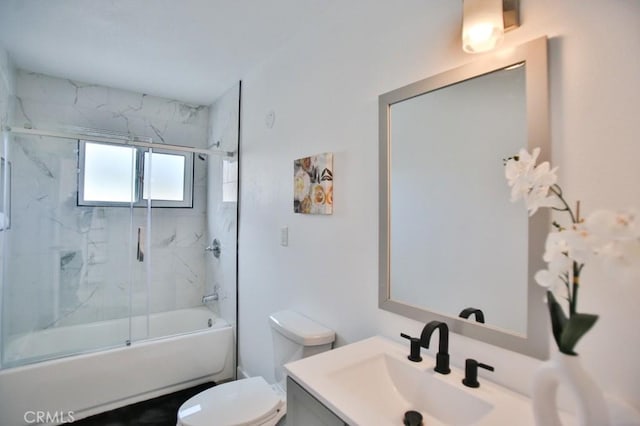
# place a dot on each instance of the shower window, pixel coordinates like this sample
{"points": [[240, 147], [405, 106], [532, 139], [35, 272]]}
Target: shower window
{"points": [[107, 174], [117, 175], [229, 181]]}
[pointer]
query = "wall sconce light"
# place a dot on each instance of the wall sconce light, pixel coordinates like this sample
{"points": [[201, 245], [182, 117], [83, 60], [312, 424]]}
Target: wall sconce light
{"points": [[485, 21]]}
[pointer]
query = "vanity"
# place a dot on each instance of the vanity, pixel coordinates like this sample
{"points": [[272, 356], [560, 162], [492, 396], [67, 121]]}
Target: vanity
{"points": [[304, 409], [372, 382]]}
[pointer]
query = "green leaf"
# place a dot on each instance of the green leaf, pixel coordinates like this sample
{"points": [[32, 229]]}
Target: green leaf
{"points": [[558, 318], [576, 327]]}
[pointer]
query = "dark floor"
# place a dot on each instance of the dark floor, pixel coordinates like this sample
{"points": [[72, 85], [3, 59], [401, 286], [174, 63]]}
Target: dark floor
{"points": [[160, 411]]}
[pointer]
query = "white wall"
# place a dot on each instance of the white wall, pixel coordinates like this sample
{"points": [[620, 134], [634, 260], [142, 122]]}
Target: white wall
{"points": [[323, 87]]}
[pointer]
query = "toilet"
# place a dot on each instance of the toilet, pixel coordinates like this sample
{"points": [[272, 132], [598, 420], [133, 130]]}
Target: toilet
{"points": [[252, 401]]}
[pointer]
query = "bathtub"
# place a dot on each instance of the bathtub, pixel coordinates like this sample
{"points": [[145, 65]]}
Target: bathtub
{"points": [[172, 357]]}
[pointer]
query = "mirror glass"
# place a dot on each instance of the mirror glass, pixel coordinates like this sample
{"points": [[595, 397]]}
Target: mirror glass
{"points": [[451, 242], [450, 220]]}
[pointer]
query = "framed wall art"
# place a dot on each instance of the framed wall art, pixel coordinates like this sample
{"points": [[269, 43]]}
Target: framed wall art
{"points": [[313, 184]]}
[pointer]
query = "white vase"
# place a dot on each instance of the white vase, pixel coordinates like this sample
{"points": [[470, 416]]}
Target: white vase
{"points": [[566, 370]]}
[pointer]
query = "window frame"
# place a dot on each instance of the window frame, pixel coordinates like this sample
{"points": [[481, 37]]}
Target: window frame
{"points": [[139, 201]]}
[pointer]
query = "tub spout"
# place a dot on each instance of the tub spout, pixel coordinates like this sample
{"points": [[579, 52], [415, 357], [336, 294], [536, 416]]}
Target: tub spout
{"points": [[209, 298]]}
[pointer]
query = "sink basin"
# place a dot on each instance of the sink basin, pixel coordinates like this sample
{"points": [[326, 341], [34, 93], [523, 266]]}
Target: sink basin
{"points": [[371, 382], [393, 387]]}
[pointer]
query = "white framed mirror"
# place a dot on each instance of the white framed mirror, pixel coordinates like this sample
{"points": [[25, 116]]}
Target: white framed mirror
{"points": [[451, 243]]}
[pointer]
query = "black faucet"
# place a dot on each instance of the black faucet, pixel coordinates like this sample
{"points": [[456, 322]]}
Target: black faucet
{"points": [[467, 312], [442, 357]]}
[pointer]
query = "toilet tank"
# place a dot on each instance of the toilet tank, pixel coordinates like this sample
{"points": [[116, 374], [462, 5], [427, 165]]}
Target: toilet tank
{"points": [[295, 337]]}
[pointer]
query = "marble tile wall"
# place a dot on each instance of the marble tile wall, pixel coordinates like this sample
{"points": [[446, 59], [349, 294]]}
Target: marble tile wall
{"points": [[70, 264], [222, 215], [7, 87], [7, 90]]}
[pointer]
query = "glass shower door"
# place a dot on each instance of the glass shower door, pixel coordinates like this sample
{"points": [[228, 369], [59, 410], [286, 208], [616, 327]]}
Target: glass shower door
{"points": [[68, 250], [169, 276]]}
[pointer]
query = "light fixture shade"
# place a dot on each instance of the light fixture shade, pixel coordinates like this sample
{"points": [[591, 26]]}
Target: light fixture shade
{"points": [[482, 25]]}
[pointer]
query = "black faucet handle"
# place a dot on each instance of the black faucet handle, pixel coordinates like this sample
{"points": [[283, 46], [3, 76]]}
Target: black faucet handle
{"points": [[414, 355], [471, 372]]}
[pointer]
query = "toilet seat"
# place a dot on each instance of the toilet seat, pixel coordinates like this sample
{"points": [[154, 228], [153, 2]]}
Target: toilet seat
{"points": [[244, 402]]}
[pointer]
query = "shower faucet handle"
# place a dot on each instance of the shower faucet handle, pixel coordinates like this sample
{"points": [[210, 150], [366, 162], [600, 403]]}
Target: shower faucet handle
{"points": [[215, 248]]}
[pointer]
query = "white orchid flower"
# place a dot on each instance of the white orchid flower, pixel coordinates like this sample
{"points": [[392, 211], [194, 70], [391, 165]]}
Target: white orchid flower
{"points": [[610, 225], [518, 173], [556, 254], [623, 253], [529, 181], [557, 247], [522, 166], [611, 238], [548, 279], [617, 243], [538, 197], [581, 243], [558, 262], [621, 260]]}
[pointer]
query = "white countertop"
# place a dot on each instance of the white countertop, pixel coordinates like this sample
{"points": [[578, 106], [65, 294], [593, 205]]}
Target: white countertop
{"points": [[339, 380]]}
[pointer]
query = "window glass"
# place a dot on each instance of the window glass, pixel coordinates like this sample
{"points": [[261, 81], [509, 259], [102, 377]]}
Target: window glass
{"points": [[164, 176], [118, 175], [229, 181], [109, 172]]}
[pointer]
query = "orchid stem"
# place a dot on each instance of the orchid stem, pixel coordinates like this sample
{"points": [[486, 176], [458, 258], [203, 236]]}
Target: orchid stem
{"points": [[573, 302], [558, 192]]}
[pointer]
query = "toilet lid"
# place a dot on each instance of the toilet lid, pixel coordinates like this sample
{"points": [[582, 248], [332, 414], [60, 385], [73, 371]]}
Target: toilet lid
{"points": [[243, 402]]}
